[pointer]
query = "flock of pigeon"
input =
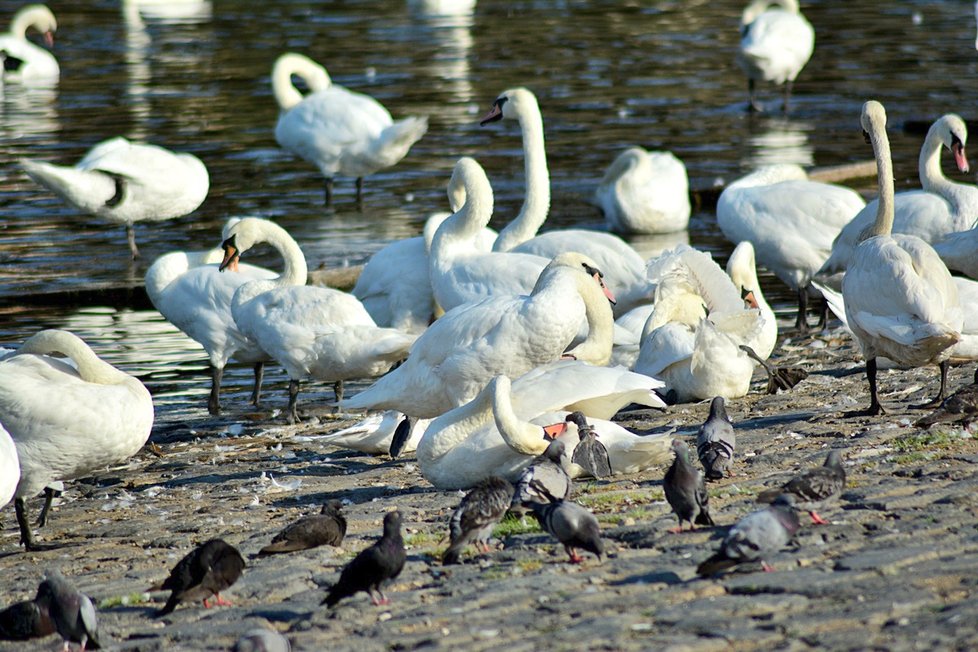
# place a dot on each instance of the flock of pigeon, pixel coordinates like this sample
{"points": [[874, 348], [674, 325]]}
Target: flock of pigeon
{"points": [[508, 393]]}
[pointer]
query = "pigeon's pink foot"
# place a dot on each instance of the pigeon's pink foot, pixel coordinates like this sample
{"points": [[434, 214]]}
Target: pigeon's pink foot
{"points": [[767, 567], [818, 520]]}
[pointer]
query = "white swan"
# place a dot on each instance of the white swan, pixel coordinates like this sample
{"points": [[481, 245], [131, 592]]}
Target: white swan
{"points": [[645, 192], [776, 41], [790, 220], [189, 290], [743, 272], [499, 433], [309, 330], [335, 129], [624, 268], [9, 467], [942, 206], [957, 250], [458, 354], [24, 61], [692, 339], [900, 301], [126, 182], [67, 420]]}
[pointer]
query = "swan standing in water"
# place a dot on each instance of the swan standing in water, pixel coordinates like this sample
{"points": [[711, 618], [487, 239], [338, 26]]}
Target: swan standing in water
{"points": [[189, 290], [900, 301], [645, 192], [22, 60], [776, 42], [126, 182], [791, 222], [67, 420], [311, 331], [337, 130], [458, 354], [940, 208]]}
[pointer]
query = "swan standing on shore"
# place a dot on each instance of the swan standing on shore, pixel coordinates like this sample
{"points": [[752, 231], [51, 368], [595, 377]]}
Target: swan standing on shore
{"points": [[645, 192], [776, 42], [67, 420], [126, 182], [900, 301], [22, 60], [337, 130]]}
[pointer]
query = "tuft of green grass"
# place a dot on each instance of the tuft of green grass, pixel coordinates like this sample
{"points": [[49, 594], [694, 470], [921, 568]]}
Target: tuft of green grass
{"points": [[614, 499], [511, 525], [124, 600], [529, 565], [925, 441]]}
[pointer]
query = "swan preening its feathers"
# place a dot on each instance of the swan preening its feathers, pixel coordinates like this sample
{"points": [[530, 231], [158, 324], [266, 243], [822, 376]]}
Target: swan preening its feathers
{"points": [[645, 192], [126, 182], [337, 130], [776, 42], [21, 59]]}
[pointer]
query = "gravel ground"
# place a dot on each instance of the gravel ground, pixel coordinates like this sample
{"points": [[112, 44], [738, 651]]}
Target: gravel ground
{"points": [[897, 568]]}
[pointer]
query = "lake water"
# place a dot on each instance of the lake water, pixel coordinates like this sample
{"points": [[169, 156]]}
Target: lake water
{"points": [[608, 75]]}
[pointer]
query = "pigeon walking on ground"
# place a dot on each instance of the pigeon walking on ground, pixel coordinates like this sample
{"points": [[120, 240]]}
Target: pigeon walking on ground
{"points": [[754, 537], [71, 611], [378, 563], [716, 441], [476, 515], [260, 639], [205, 571], [959, 407], [686, 490], [326, 528], [813, 487], [25, 620], [590, 454], [570, 523], [549, 470]]}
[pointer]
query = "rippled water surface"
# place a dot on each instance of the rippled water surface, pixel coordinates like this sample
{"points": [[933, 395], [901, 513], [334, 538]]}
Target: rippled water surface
{"points": [[607, 74]]}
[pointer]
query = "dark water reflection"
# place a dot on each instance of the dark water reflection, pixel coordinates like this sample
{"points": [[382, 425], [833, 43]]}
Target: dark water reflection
{"points": [[608, 75]]}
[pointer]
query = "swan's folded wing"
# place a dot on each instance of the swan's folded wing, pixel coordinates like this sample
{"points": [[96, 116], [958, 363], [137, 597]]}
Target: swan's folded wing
{"points": [[665, 346]]}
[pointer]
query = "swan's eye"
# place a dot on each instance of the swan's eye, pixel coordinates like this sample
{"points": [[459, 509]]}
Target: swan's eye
{"points": [[866, 137], [591, 271], [956, 142], [500, 101]]}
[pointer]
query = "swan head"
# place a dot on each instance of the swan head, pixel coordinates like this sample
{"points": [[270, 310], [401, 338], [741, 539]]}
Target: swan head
{"points": [[578, 261], [511, 105], [292, 63], [624, 162], [242, 236], [37, 16], [950, 128], [873, 115]]}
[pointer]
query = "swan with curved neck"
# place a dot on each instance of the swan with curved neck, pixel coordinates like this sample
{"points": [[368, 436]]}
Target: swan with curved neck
{"points": [[337, 130], [940, 208], [900, 300], [458, 354], [776, 42], [67, 420], [24, 61], [743, 272], [624, 268], [311, 331], [644, 192]]}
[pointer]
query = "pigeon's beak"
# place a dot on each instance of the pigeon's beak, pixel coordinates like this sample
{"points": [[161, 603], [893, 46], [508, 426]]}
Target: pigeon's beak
{"points": [[554, 430]]}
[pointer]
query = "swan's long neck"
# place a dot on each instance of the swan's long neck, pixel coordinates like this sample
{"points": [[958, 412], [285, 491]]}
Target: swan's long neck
{"points": [[536, 204], [596, 347], [470, 219], [884, 171], [295, 271], [286, 94], [932, 177], [90, 367], [39, 17], [522, 436], [466, 419]]}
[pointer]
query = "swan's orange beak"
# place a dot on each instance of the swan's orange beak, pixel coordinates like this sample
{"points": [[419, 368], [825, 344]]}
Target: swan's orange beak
{"points": [[49, 39], [607, 292], [750, 299], [554, 430], [495, 113], [960, 159], [231, 256]]}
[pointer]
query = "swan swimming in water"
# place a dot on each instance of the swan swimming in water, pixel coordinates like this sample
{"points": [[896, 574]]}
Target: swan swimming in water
{"points": [[645, 192], [22, 60]]}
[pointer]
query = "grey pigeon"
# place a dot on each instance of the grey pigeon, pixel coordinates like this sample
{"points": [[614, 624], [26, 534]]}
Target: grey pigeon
{"points": [[260, 639], [375, 565], [204, 572], [959, 407], [716, 441], [686, 490], [755, 536], [590, 454], [548, 470], [326, 528], [71, 611], [25, 620], [476, 515], [812, 487], [570, 523]]}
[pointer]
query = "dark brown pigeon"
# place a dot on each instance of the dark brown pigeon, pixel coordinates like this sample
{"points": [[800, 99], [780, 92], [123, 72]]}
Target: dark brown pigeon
{"points": [[71, 611], [570, 523], [959, 407], [590, 454], [207, 570], [326, 528], [754, 537], [375, 565], [716, 441], [23, 621], [686, 490], [476, 515], [812, 487]]}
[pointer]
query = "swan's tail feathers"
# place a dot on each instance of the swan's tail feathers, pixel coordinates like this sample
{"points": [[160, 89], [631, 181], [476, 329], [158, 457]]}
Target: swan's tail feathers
{"points": [[372, 435], [834, 299], [396, 140], [87, 190], [641, 453]]}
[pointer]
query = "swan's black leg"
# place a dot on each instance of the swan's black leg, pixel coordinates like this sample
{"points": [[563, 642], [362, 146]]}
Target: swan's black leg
{"points": [[131, 237], [937, 400], [49, 495], [874, 408], [338, 390], [291, 413], [329, 191], [801, 321], [214, 401], [360, 193], [259, 376]]}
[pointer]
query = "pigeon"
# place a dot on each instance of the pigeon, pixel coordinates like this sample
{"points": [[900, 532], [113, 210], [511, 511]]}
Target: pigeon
{"points": [[71, 611], [715, 441], [326, 528], [376, 564], [686, 490], [812, 487], [570, 523], [959, 407], [23, 621], [204, 572], [590, 454], [260, 639], [476, 515], [755, 536], [548, 470]]}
